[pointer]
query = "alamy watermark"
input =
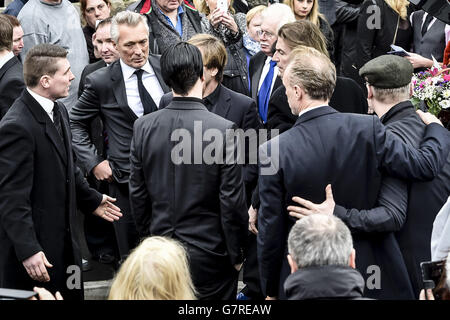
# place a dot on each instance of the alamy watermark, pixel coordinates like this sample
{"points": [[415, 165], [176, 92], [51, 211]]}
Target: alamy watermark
{"points": [[234, 146]]}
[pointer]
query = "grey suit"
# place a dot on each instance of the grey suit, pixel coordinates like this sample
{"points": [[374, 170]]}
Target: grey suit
{"points": [[105, 95]]}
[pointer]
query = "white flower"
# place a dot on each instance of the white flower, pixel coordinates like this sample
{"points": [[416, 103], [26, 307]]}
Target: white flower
{"points": [[446, 94], [445, 104]]}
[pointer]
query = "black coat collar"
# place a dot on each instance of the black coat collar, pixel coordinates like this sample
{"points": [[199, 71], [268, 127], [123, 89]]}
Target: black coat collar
{"points": [[314, 114], [397, 112]]}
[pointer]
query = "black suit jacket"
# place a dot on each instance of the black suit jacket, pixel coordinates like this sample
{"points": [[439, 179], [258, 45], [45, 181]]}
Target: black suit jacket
{"points": [[87, 71], [232, 106], [347, 97], [241, 110], [333, 143], [11, 84], [200, 204], [39, 190], [255, 68], [105, 95]]}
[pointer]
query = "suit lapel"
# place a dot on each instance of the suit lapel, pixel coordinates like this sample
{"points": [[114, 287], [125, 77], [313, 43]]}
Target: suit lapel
{"points": [[50, 129], [223, 105], [118, 87], [154, 62], [257, 75]]}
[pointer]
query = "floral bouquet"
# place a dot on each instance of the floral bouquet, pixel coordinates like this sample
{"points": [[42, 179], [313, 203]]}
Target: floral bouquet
{"points": [[432, 89]]}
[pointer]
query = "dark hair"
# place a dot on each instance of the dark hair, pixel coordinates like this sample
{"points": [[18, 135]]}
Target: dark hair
{"points": [[83, 6], [181, 67], [303, 33], [6, 33], [13, 20], [41, 60], [103, 22]]}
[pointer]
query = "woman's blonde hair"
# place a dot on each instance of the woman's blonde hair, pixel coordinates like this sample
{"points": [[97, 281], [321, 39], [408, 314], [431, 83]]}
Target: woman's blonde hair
{"points": [[313, 15], [156, 270], [202, 7], [253, 12], [399, 6]]}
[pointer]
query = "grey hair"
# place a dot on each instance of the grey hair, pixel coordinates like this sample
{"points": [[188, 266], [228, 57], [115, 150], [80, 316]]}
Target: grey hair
{"points": [[313, 71], [128, 18], [320, 240], [392, 94], [278, 11]]}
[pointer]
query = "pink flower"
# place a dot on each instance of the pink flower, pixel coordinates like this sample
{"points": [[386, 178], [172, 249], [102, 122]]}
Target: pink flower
{"points": [[447, 77]]}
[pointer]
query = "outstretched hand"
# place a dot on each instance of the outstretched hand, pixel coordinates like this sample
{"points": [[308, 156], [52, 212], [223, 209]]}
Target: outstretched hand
{"points": [[307, 207], [107, 210]]}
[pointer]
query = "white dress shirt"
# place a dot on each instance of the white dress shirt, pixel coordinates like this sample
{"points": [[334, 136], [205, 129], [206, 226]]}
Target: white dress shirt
{"points": [[264, 73], [45, 103], [309, 109], [150, 82], [5, 59]]}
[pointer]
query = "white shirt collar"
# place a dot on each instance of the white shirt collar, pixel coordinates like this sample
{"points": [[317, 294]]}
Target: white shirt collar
{"points": [[128, 71], [309, 109], [45, 103], [6, 58]]}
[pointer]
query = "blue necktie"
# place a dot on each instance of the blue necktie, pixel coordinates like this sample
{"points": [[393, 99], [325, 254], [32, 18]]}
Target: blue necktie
{"points": [[264, 92]]}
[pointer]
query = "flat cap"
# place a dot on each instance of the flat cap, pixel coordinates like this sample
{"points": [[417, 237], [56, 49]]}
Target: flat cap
{"points": [[387, 72]]}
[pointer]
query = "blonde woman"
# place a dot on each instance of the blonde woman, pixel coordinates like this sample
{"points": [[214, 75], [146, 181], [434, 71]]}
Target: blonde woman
{"points": [[156, 270], [376, 32], [309, 10]]}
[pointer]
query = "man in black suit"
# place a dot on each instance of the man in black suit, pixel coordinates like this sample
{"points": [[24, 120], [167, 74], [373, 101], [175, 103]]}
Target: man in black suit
{"points": [[120, 93], [11, 74], [263, 72], [100, 237], [186, 190], [40, 186], [333, 143]]}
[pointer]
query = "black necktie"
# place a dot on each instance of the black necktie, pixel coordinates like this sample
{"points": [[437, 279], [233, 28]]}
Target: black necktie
{"points": [[57, 120], [426, 24], [146, 99]]}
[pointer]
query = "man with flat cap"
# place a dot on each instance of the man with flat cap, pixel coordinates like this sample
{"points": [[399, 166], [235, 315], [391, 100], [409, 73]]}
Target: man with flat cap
{"points": [[402, 220], [389, 90]]}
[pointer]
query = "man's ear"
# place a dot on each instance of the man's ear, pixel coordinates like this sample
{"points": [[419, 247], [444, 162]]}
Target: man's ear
{"points": [[369, 92], [411, 90], [352, 259], [213, 72], [45, 81], [292, 263]]}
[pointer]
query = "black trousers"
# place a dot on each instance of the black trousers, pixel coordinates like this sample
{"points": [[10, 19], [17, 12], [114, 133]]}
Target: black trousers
{"points": [[99, 234], [125, 227], [213, 275]]}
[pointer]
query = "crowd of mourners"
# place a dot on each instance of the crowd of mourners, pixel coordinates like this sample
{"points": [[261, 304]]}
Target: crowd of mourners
{"points": [[132, 114]]}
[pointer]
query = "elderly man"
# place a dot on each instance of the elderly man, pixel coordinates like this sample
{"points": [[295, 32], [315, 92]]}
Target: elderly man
{"points": [[170, 21], [11, 74], [322, 261], [56, 21], [40, 185], [334, 143], [120, 93], [263, 72]]}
